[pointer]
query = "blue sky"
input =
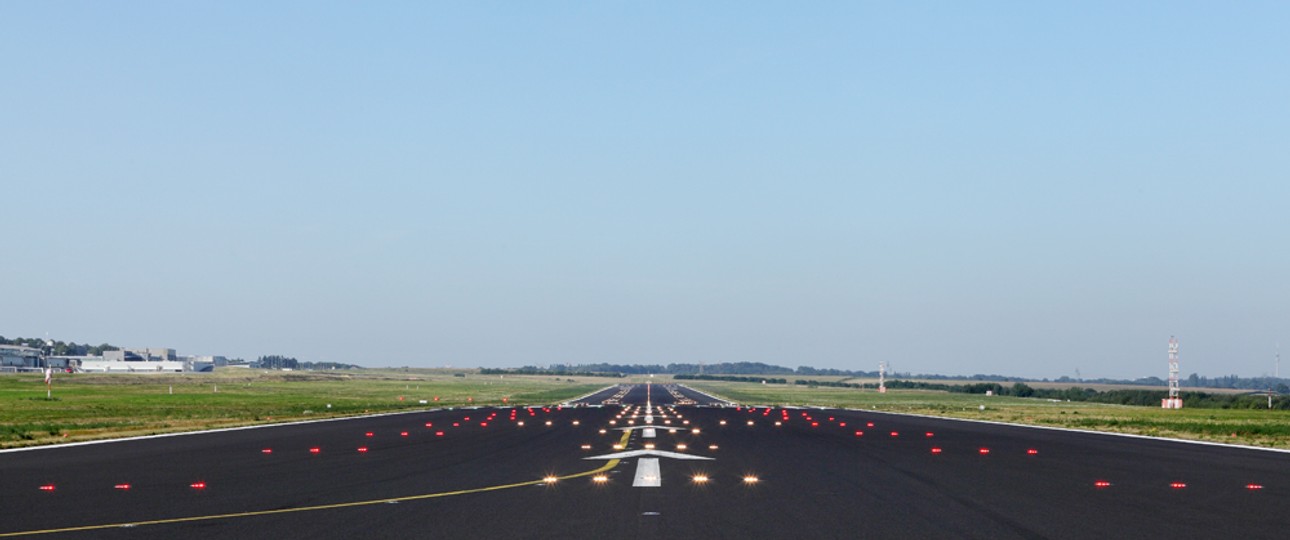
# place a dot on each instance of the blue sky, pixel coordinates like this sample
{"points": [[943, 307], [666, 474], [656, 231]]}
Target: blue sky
{"points": [[996, 187]]}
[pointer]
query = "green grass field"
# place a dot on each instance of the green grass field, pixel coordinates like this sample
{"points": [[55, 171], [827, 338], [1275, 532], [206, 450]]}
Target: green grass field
{"points": [[1237, 426], [94, 406]]}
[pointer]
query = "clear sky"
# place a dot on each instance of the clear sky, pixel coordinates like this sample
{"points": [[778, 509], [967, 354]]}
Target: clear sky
{"points": [[1024, 188]]}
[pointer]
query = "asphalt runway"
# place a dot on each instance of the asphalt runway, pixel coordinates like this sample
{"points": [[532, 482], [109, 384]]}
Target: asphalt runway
{"points": [[479, 473]]}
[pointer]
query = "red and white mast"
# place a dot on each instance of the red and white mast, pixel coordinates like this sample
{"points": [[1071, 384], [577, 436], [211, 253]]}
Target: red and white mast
{"points": [[1173, 401]]}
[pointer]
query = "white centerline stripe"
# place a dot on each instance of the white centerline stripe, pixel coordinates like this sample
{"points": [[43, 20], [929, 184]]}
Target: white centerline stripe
{"points": [[647, 473]]}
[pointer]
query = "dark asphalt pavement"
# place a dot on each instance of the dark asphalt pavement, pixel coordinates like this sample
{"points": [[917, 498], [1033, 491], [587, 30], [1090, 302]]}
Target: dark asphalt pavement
{"points": [[820, 474]]}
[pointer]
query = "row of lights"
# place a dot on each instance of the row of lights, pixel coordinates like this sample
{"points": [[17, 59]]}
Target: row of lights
{"points": [[1101, 484], [697, 479], [124, 487]]}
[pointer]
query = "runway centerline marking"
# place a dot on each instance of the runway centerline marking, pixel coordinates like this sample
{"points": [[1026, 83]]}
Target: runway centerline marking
{"points": [[647, 473]]}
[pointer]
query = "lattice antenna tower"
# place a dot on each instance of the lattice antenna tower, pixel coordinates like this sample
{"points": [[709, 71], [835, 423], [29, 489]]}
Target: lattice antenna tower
{"points": [[1173, 401]]}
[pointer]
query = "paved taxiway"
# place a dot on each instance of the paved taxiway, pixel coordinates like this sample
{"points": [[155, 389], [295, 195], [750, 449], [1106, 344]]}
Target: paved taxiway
{"points": [[901, 477]]}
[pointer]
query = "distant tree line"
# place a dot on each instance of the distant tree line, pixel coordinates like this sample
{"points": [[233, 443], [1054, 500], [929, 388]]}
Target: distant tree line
{"points": [[61, 348], [287, 362], [531, 370], [731, 378], [724, 368]]}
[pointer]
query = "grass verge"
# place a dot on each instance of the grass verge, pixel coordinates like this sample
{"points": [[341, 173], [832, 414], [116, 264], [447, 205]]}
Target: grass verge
{"points": [[98, 406], [1257, 427]]}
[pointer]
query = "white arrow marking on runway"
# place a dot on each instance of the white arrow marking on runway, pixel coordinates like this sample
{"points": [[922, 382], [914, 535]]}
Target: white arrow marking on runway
{"points": [[657, 453]]}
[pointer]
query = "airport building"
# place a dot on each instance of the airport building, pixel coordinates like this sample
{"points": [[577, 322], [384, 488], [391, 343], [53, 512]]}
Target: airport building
{"points": [[137, 361], [15, 358]]}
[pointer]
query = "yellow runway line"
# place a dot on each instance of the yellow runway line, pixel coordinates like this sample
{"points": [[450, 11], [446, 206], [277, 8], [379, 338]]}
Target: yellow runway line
{"points": [[603, 468]]}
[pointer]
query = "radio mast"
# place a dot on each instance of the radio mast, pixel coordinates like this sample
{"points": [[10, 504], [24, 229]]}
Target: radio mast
{"points": [[1173, 401]]}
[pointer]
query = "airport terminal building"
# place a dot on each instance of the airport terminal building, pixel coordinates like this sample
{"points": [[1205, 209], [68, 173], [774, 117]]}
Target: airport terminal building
{"points": [[14, 359]]}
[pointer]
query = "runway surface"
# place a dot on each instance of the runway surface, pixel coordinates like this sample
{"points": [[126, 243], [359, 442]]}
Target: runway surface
{"points": [[708, 471]]}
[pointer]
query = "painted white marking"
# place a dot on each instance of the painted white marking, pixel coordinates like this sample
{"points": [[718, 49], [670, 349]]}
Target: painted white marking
{"points": [[648, 433], [656, 453], [647, 473]]}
